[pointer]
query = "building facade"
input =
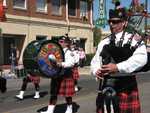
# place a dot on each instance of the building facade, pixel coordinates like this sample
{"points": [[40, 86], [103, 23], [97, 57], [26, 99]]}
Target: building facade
{"points": [[28, 20]]}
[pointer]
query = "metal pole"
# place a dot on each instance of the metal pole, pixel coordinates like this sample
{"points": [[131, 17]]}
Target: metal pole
{"points": [[146, 8]]}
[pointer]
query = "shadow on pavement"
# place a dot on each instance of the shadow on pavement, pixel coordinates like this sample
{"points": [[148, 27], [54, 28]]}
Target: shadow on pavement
{"points": [[61, 108]]}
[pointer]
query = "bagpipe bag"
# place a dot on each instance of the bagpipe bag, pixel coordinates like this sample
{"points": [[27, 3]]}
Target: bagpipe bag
{"points": [[114, 54]]}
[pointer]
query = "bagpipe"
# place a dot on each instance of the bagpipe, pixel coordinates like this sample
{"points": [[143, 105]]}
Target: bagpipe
{"points": [[40, 58]]}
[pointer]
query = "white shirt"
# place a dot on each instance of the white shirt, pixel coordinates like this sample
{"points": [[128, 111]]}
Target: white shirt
{"points": [[133, 63], [69, 58], [76, 56]]}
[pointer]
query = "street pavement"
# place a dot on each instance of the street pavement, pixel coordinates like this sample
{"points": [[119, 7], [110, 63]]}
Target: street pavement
{"points": [[84, 99]]}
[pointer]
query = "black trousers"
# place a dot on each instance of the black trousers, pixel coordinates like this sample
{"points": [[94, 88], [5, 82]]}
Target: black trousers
{"points": [[26, 80]]}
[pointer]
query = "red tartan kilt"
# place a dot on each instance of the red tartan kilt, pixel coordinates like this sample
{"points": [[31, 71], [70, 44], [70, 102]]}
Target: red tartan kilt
{"points": [[66, 87], [75, 73], [129, 102], [35, 79]]}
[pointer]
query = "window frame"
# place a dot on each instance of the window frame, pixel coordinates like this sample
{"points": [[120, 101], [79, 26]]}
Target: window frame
{"points": [[59, 13], [18, 7], [44, 10], [84, 14], [75, 10]]}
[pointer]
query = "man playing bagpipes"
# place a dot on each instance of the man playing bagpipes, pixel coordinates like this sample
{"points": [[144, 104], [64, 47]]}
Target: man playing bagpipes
{"points": [[64, 85], [117, 57]]}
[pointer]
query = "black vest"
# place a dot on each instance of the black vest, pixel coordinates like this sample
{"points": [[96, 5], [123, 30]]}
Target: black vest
{"points": [[112, 53]]}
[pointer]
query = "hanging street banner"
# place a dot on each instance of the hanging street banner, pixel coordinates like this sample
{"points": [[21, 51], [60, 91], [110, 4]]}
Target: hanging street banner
{"points": [[101, 21]]}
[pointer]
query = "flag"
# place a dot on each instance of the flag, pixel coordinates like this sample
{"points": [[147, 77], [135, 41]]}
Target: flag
{"points": [[2, 12]]}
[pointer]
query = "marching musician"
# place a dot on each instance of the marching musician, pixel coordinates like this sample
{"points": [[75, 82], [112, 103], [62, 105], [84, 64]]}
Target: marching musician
{"points": [[75, 70], [118, 86], [30, 79], [63, 86]]}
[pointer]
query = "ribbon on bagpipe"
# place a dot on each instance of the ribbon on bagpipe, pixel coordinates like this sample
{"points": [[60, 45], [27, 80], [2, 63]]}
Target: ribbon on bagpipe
{"points": [[41, 58]]}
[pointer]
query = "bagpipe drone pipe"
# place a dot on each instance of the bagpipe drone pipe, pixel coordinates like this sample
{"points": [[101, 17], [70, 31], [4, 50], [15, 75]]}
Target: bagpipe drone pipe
{"points": [[40, 58]]}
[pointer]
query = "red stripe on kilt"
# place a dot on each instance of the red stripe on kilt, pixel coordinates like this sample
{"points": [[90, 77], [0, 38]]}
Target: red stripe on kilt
{"points": [[75, 73], [129, 102], [67, 87]]}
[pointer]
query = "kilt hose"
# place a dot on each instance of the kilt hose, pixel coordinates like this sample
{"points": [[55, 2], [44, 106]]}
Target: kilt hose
{"points": [[75, 72], [63, 86]]}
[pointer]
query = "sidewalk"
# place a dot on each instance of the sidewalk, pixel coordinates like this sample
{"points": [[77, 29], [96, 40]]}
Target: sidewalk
{"points": [[14, 83], [85, 70], [82, 71]]}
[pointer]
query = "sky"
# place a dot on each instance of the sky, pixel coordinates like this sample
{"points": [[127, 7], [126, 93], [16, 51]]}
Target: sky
{"points": [[109, 5]]}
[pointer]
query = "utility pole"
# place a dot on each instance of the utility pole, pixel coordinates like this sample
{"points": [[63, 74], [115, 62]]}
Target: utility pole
{"points": [[145, 27], [146, 8]]}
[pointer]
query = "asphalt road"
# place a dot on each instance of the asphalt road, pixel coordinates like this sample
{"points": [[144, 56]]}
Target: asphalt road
{"points": [[84, 100]]}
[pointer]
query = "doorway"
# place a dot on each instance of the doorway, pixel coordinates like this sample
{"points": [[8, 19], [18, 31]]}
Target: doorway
{"points": [[16, 40]]}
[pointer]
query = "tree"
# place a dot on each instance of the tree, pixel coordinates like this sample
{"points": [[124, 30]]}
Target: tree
{"points": [[97, 36]]}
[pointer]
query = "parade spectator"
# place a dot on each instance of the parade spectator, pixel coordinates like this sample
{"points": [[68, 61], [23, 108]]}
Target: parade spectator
{"points": [[63, 86], [3, 82], [13, 57], [82, 57]]}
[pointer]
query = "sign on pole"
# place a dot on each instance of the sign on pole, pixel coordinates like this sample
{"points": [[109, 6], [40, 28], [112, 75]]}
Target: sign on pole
{"points": [[101, 21]]}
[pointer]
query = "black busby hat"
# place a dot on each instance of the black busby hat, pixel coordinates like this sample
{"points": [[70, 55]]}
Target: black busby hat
{"points": [[65, 38], [118, 14]]}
